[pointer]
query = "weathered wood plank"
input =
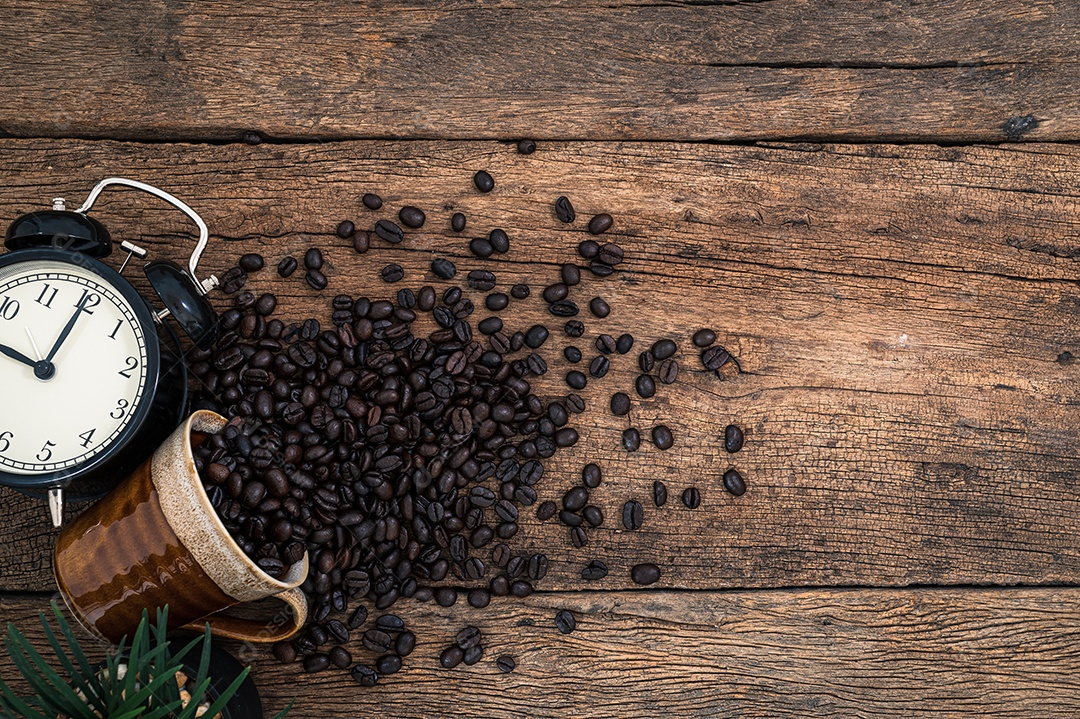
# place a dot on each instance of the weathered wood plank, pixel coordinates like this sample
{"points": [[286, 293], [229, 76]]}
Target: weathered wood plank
{"points": [[951, 71], [906, 318], [909, 653]]}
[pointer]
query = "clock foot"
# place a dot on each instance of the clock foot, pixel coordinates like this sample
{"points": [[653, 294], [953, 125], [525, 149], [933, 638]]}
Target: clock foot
{"points": [[56, 506]]}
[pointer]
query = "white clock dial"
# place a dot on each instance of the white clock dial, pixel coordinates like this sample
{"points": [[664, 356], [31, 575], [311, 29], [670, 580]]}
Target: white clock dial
{"points": [[60, 417]]}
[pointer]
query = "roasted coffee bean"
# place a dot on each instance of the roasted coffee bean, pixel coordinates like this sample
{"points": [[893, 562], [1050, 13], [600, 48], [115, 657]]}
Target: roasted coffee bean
{"points": [[662, 349], [372, 201], [388, 664], [563, 308], [565, 622], [733, 438], [662, 437], [405, 644], [536, 336], [316, 663], [570, 519], [361, 242], [591, 475], [481, 248], [645, 386], [251, 262], [357, 618], [496, 301], [489, 325], [233, 280], [575, 498], [599, 307], [266, 304], [473, 655], [345, 229], [444, 268], [632, 515], [499, 240], [564, 210], [555, 292], [481, 280], [620, 404], [546, 511], [610, 254], [605, 344], [572, 354], [589, 249], [446, 596], [364, 676], [425, 299], [484, 181], [285, 652], [704, 338], [505, 663], [339, 657], [479, 598], [337, 631], [376, 640], [457, 222], [645, 573], [631, 439], [646, 361], [392, 273], [691, 497], [521, 588], [313, 259], [570, 274], [389, 231], [390, 623], [734, 483], [287, 266], [468, 637], [668, 371], [659, 493], [411, 217], [524, 147], [624, 344], [593, 515], [578, 538], [315, 279], [594, 570], [600, 223], [714, 357], [599, 367], [519, 292], [574, 328]]}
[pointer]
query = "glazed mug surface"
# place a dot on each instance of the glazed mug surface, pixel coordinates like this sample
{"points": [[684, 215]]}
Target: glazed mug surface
{"points": [[154, 540]]}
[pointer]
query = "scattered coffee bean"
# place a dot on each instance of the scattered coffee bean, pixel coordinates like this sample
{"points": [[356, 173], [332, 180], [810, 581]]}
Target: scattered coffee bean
{"points": [[389, 231], [233, 280], [574, 328], [313, 259], [589, 249], [593, 515], [631, 439], [481, 248], [632, 515], [704, 338], [645, 573], [610, 254], [361, 242], [576, 380], [563, 308], [251, 262], [496, 301], [662, 349], [388, 664], [372, 201], [405, 644], [265, 305], [734, 483], [600, 224], [519, 292], [578, 538], [536, 336], [691, 497], [564, 210], [605, 344], [599, 307], [443, 268], [570, 274], [645, 386], [659, 493], [364, 676], [591, 475], [646, 361], [668, 371], [473, 655], [316, 663], [714, 357], [555, 292], [599, 367], [457, 222], [505, 663], [546, 510], [525, 147], [287, 266], [316, 279], [565, 621], [624, 344], [499, 240], [339, 657], [410, 217], [285, 652], [572, 354], [483, 181], [733, 438], [482, 280], [620, 404], [392, 273]]}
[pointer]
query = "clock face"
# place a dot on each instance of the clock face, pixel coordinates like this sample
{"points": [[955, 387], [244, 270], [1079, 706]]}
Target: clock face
{"points": [[73, 368]]}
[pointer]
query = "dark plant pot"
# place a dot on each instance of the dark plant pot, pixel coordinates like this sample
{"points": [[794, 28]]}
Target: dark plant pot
{"points": [[224, 669]]}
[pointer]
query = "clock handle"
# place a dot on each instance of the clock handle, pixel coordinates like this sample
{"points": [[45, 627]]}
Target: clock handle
{"points": [[204, 233], [254, 630]]}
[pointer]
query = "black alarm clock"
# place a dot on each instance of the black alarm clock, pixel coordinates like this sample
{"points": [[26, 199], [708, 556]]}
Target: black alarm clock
{"points": [[92, 376]]}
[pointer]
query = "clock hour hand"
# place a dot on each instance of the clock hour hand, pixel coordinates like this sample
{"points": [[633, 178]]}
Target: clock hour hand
{"points": [[16, 355], [67, 330]]}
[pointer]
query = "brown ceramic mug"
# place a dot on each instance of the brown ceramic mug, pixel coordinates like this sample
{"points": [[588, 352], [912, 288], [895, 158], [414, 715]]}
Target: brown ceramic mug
{"points": [[154, 540]]}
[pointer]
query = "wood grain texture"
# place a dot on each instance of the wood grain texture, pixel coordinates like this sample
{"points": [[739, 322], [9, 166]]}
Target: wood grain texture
{"points": [[950, 71], [909, 653]]}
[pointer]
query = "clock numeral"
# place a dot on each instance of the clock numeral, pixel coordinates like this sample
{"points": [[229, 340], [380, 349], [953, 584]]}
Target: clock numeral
{"points": [[46, 452], [9, 308], [92, 300], [5, 437], [121, 409], [116, 329], [87, 436], [48, 294], [131, 363]]}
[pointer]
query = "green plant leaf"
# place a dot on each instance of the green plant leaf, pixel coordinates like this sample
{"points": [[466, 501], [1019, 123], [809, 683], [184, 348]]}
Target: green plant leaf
{"points": [[52, 691], [226, 695], [16, 707], [75, 677], [76, 650], [281, 714]]}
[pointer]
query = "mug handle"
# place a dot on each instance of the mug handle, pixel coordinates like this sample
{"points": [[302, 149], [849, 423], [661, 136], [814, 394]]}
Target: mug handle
{"points": [[254, 630]]}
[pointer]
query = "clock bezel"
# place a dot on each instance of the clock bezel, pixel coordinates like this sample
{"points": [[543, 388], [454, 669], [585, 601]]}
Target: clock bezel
{"points": [[109, 276]]}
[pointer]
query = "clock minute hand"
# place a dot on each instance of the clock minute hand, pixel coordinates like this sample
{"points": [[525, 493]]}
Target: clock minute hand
{"points": [[67, 329], [16, 355]]}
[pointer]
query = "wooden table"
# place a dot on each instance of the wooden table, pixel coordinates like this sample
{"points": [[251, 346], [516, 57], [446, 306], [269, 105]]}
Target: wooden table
{"points": [[875, 206]]}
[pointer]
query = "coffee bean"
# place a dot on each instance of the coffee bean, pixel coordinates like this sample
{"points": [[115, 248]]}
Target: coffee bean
{"points": [[445, 596], [372, 201], [570, 519], [691, 497], [704, 338], [233, 280], [714, 357], [591, 476], [575, 498], [594, 570], [358, 617], [405, 644], [316, 279], [265, 304], [376, 640], [605, 344], [662, 349], [468, 637], [564, 210], [505, 663], [479, 598], [734, 483], [389, 231], [610, 254], [496, 301], [576, 380], [566, 437], [668, 371], [600, 223], [589, 249], [490, 325], [392, 273], [411, 217], [555, 292], [573, 328], [388, 664], [443, 268], [593, 515], [483, 181], [646, 361], [572, 354], [620, 404], [524, 147], [364, 676], [339, 657], [251, 262], [316, 663], [733, 438], [499, 240], [519, 292], [662, 437], [644, 574], [599, 367], [599, 307], [287, 266], [285, 652], [457, 222], [390, 623], [536, 336], [565, 622], [546, 511], [632, 515], [361, 242], [563, 308], [313, 259], [481, 248], [521, 589], [659, 493], [570, 274], [624, 344], [631, 439], [645, 386]]}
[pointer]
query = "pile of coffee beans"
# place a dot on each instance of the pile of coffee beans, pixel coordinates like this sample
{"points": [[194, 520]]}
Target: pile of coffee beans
{"points": [[398, 459]]}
